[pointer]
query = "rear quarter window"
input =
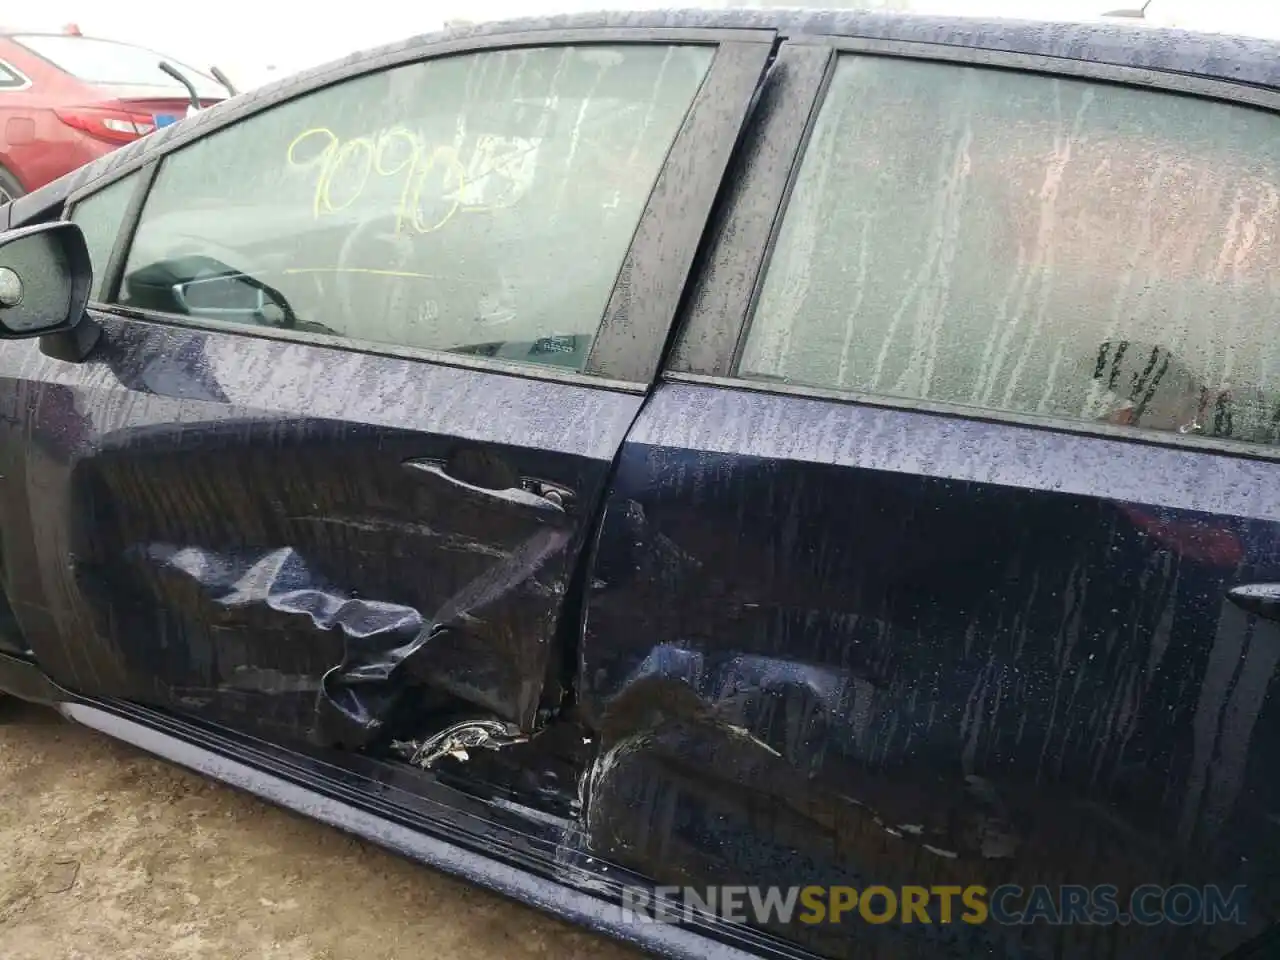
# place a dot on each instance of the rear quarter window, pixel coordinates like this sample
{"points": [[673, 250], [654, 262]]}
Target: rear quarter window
{"points": [[1031, 244], [100, 216], [10, 78]]}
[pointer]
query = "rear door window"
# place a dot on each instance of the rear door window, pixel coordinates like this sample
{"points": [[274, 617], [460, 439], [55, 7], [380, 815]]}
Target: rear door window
{"points": [[1034, 245], [480, 203]]}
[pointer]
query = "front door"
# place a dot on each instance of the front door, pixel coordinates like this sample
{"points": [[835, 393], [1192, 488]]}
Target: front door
{"points": [[366, 362]]}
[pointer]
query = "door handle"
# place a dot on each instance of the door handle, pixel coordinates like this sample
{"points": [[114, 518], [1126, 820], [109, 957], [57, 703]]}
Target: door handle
{"points": [[1260, 599], [532, 493]]}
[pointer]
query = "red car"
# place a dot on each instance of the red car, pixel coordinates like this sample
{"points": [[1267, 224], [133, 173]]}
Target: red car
{"points": [[66, 99]]}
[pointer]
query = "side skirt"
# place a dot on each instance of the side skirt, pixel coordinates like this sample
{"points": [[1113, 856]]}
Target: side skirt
{"points": [[409, 813]]}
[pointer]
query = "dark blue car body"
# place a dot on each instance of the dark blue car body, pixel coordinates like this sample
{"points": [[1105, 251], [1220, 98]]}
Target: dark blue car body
{"points": [[778, 635]]}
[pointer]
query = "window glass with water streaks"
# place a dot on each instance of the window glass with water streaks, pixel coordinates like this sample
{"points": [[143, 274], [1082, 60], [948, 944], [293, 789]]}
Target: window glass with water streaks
{"points": [[100, 216], [480, 203], [1032, 244]]}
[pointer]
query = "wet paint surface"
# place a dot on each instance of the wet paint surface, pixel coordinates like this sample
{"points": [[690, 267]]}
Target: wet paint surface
{"points": [[246, 540], [926, 650]]}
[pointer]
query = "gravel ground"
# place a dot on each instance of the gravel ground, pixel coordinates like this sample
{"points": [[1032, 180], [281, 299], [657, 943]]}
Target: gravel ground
{"points": [[107, 852]]}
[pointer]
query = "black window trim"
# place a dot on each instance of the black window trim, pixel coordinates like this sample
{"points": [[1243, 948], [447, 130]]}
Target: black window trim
{"points": [[642, 305], [711, 334], [24, 82], [105, 312], [739, 238]]}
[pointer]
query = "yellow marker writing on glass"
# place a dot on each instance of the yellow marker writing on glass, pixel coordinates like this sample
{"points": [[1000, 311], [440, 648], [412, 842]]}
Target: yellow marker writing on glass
{"points": [[344, 169]]}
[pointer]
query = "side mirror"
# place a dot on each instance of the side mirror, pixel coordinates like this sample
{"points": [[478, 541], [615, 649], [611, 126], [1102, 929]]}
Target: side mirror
{"points": [[229, 294], [45, 279]]}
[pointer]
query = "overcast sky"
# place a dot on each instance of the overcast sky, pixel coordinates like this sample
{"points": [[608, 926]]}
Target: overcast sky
{"points": [[246, 36]]}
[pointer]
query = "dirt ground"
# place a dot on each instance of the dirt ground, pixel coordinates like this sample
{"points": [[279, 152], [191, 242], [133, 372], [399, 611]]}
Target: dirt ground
{"points": [[107, 852]]}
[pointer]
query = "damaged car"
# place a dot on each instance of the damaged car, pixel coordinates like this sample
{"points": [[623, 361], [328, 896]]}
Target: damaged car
{"points": [[625, 457]]}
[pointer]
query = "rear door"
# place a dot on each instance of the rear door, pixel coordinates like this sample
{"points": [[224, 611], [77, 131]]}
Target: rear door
{"points": [[948, 551], [367, 356]]}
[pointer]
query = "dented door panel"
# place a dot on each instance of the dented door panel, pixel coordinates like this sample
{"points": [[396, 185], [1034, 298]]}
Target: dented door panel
{"points": [[878, 646], [252, 537], [307, 538]]}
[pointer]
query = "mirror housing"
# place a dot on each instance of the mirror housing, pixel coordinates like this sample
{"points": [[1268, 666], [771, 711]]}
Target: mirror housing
{"points": [[45, 280]]}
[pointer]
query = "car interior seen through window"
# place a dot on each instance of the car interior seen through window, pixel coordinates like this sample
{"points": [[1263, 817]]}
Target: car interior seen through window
{"points": [[480, 203], [1034, 245]]}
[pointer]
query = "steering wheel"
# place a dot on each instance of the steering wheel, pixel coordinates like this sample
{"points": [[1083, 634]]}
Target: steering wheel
{"points": [[359, 239]]}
